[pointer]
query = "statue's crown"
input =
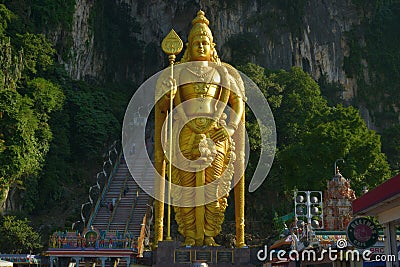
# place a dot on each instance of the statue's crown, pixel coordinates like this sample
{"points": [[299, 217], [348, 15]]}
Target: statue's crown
{"points": [[200, 27], [200, 18]]}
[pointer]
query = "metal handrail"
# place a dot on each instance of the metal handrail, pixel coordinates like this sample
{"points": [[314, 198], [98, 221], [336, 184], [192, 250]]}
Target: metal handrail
{"points": [[128, 222], [110, 220], [105, 189]]}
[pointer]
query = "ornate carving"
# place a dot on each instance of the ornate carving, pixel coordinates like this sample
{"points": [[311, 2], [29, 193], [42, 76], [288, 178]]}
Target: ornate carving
{"points": [[337, 203]]}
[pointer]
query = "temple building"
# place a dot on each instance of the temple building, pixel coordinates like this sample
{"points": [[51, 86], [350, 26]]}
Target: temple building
{"points": [[383, 202], [338, 198]]}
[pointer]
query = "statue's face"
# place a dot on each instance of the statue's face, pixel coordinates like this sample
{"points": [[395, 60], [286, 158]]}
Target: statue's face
{"points": [[200, 48]]}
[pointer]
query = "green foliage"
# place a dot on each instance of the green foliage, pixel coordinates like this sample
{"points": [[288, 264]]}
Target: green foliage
{"points": [[273, 93], [272, 90], [380, 91], [5, 17], [11, 64], [278, 14], [82, 131], [51, 14], [115, 36], [26, 103], [312, 135], [244, 47], [301, 101], [46, 95], [331, 91], [25, 133], [38, 52], [92, 120], [278, 224], [21, 154], [43, 16], [339, 133], [294, 10], [18, 237], [391, 146], [383, 55]]}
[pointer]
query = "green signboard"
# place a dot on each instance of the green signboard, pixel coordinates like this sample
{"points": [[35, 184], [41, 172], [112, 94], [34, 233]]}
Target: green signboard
{"points": [[362, 232]]}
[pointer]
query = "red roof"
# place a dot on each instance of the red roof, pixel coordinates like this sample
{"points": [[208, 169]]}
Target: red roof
{"points": [[389, 190]]}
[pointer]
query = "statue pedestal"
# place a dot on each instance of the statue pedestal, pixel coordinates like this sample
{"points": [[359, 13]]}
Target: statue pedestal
{"points": [[172, 254]]}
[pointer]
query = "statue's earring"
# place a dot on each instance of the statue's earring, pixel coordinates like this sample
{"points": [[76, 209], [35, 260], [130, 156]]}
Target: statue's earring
{"points": [[186, 55], [213, 51]]}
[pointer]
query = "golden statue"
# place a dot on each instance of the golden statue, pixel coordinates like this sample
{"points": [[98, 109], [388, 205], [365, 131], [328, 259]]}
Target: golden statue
{"points": [[207, 150]]}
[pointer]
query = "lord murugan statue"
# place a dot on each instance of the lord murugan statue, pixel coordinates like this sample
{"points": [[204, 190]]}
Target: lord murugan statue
{"points": [[207, 140]]}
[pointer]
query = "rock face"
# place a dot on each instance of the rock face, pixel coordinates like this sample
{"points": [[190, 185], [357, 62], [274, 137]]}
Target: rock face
{"points": [[82, 62], [316, 41]]}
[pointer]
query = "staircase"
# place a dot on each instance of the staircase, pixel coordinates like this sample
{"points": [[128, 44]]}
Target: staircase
{"points": [[123, 191], [130, 202], [119, 215], [101, 219], [146, 174]]}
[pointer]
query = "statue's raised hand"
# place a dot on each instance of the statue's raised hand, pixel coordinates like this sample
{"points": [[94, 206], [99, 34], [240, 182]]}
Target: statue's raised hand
{"points": [[169, 87]]}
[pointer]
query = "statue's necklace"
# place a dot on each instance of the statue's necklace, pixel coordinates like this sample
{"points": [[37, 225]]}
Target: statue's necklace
{"points": [[200, 74]]}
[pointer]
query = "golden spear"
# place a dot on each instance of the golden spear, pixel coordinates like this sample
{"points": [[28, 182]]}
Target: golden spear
{"points": [[172, 45]]}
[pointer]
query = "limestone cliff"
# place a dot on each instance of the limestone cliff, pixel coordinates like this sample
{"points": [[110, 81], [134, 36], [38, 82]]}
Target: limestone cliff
{"points": [[315, 41], [82, 60]]}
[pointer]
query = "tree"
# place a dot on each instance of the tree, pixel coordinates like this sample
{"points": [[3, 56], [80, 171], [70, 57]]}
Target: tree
{"points": [[38, 52], [26, 101], [391, 146], [338, 133], [301, 102], [312, 135], [17, 236], [94, 124]]}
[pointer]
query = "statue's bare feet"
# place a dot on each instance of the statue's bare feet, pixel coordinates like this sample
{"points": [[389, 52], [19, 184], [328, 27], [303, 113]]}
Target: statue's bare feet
{"points": [[209, 241], [189, 241], [241, 245]]}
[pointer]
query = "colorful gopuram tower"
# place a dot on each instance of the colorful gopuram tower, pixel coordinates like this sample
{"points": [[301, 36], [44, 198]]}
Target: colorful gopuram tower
{"points": [[337, 203]]}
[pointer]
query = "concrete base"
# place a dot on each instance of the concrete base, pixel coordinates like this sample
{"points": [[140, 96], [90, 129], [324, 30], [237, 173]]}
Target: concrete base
{"points": [[172, 254]]}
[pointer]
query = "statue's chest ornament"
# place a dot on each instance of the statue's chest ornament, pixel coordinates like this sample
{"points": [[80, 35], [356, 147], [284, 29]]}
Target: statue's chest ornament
{"points": [[201, 88]]}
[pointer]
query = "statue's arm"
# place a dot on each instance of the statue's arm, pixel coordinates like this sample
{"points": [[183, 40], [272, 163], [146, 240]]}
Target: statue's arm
{"points": [[237, 108], [232, 82], [231, 93]]}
